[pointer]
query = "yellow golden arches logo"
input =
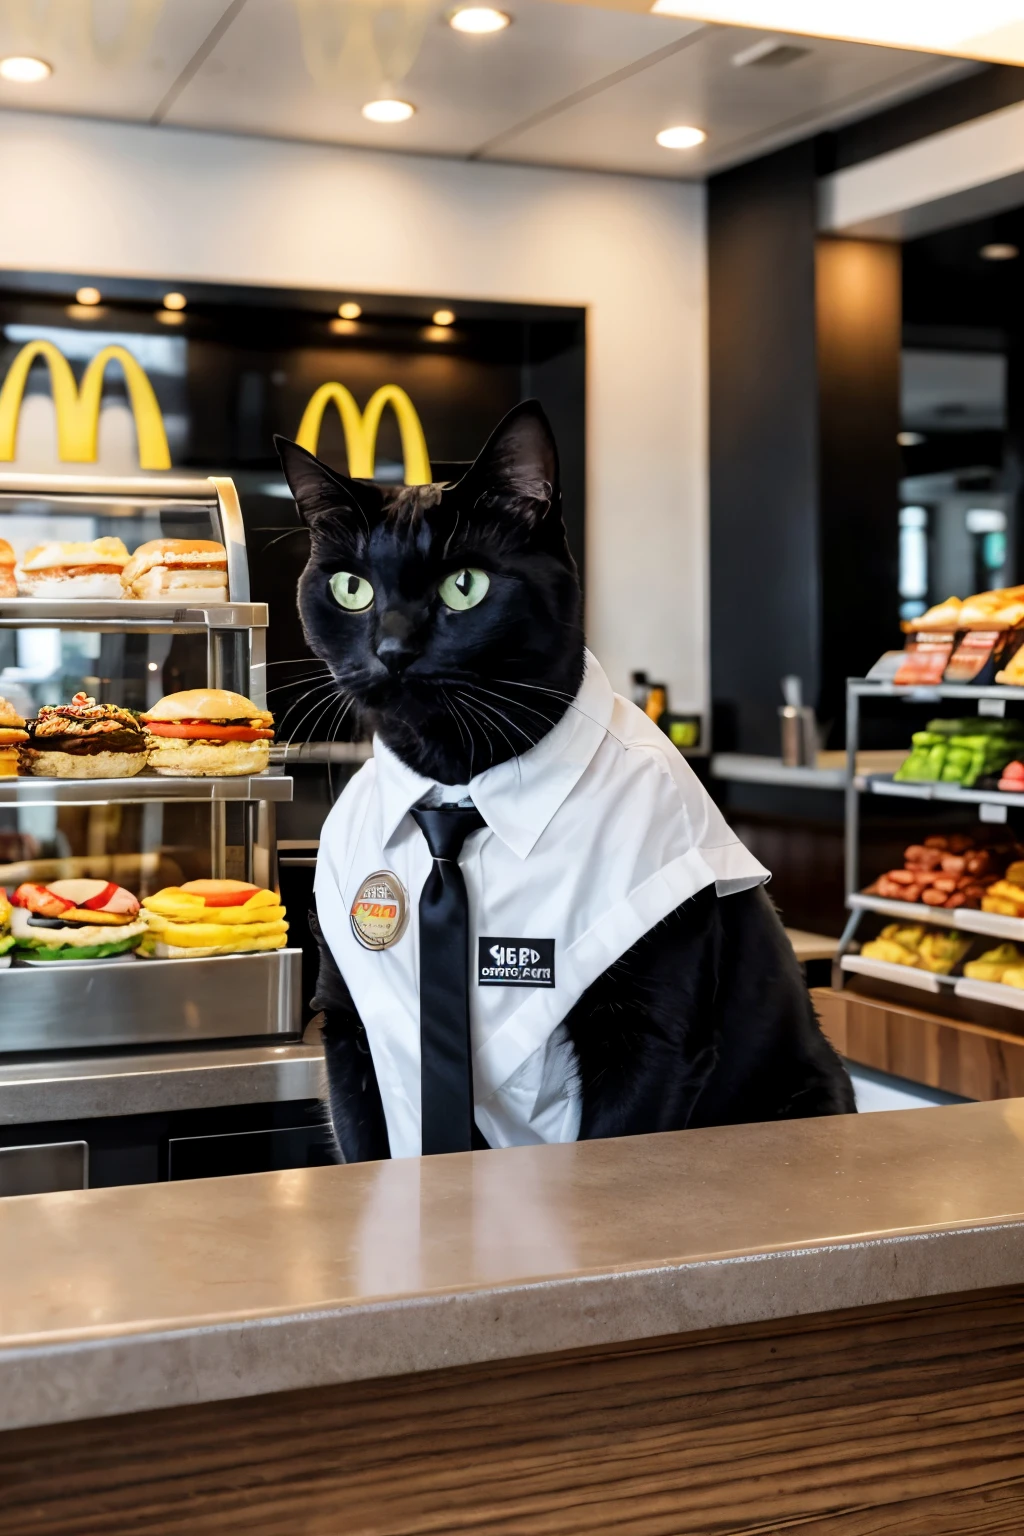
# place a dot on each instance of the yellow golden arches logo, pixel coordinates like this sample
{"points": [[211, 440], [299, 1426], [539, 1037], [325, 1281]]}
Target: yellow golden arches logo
{"points": [[361, 428], [78, 410]]}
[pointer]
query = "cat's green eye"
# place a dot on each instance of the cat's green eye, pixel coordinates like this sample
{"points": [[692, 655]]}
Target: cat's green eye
{"points": [[351, 592], [464, 589]]}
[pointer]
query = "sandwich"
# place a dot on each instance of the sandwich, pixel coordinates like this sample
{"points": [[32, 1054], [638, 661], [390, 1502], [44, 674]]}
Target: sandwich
{"points": [[1001, 609], [8, 580], [6, 936], [207, 732], [212, 917], [945, 616], [76, 920], [85, 740], [177, 571], [73, 570], [12, 734]]}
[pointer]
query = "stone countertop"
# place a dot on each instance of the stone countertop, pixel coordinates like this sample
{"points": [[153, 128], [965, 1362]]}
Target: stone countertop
{"points": [[160, 1295], [87, 1087]]}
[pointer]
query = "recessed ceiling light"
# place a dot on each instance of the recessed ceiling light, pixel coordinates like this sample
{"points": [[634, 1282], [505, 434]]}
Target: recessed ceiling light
{"points": [[388, 111], [443, 317], [88, 296], [174, 301], [998, 251], [910, 439], [478, 18], [350, 311], [680, 138], [24, 71], [170, 317]]}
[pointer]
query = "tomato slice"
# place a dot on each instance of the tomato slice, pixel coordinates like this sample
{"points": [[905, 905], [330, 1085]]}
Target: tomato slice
{"points": [[202, 730]]}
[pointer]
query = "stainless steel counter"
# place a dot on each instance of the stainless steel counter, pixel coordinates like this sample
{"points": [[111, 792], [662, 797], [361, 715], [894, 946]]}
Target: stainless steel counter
{"points": [[69, 1087]]}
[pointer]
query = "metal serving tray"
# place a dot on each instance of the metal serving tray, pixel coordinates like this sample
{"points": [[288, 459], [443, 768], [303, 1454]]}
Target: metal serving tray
{"points": [[146, 786], [85, 1005]]}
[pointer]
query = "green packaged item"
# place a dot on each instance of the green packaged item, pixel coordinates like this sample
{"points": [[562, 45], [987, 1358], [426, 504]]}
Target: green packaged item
{"points": [[961, 751]]}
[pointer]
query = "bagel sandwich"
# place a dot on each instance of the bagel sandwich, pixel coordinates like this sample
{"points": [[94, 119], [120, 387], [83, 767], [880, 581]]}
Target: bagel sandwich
{"points": [[212, 917], [75, 920], [177, 571], [12, 736], [207, 732]]}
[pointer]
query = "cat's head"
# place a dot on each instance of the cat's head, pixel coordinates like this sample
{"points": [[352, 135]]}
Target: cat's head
{"points": [[449, 614]]}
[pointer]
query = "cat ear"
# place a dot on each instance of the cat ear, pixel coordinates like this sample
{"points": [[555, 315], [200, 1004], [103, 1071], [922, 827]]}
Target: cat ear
{"points": [[520, 459], [319, 491]]}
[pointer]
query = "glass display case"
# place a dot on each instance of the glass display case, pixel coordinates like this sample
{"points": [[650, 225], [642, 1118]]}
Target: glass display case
{"points": [[145, 832]]}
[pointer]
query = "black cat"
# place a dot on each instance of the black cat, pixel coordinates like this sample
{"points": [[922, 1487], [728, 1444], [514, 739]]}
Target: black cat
{"points": [[705, 1020]]}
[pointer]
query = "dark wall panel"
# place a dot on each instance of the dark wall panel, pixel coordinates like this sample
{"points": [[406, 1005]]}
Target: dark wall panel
{"points": [[858, 322], [763, 443]]}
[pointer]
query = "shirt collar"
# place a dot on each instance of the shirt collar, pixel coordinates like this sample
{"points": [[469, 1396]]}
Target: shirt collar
{"points": [[518, 798]]}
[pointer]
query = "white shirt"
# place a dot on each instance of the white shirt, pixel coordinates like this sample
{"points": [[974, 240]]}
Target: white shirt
{"points": [[593, 836]]}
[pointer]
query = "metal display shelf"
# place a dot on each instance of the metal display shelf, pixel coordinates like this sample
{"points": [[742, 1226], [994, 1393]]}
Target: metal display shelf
{"points": [[346, 752], [270, 786], [885, 784], [860, 692], [864, 688], [968, 919], [124, 614], [902, 975], [93, 1004]]}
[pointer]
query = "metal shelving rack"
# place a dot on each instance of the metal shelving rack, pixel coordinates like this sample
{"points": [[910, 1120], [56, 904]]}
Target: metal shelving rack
{"points": [[91, 1005], [988, 804]]}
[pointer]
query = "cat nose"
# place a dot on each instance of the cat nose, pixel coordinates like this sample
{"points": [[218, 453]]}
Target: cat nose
{"points": [[395, 652]]}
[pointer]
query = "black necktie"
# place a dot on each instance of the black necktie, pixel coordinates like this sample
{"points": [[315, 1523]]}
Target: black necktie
{"points": [[446, 1057]]}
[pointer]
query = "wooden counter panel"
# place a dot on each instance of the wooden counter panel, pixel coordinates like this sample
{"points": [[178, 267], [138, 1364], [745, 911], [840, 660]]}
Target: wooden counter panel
{"points": [[907, 1421], [969, 1059]]}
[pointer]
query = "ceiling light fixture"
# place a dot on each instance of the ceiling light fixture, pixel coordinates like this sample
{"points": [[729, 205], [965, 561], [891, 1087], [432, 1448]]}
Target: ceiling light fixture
{"points": [[680, 138], [350, 311], [986, 29], [24, 71], [998, 251], [443, 317], [174, 301], [388, 111], [478, 19], [88, 296]]}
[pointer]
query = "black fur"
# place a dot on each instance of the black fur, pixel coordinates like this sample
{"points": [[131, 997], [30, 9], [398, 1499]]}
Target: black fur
{"points": [[706, 1021]]}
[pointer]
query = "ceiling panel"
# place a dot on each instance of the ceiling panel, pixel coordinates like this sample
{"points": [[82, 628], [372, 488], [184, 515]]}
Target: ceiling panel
{"points": [[745, 111], [281, 69], [110, 58], [579, 85]]}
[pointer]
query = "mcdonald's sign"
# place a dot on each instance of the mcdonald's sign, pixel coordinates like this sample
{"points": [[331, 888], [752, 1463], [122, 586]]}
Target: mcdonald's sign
{"points": [[361, 428], [78, 410], [78, 414]]}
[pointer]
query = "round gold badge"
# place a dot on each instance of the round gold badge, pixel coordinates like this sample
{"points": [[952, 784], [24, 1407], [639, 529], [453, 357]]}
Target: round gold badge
{"points": [[379, 911]]}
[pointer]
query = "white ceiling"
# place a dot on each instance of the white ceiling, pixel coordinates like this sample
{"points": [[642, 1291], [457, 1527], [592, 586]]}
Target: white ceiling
{"points": [[569, 85]]}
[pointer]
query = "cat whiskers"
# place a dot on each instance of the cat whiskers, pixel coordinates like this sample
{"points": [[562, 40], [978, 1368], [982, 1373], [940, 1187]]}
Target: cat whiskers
{"points": [[464, 731]]}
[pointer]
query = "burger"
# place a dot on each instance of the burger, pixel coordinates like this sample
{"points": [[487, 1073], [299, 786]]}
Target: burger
{"points": [[73, 570], [206, 732], [12, 734], [6, 936], [212, 917], [177, 571], [75, 920], [8, 581], [85, 740]]}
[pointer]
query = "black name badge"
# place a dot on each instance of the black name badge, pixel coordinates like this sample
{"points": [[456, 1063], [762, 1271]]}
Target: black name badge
{"points": [[516, 963]]}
